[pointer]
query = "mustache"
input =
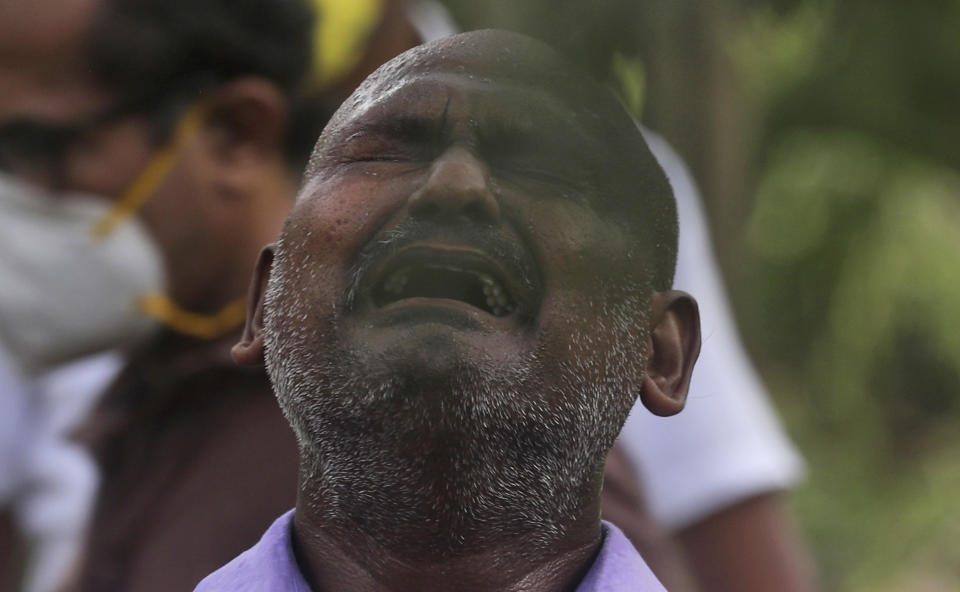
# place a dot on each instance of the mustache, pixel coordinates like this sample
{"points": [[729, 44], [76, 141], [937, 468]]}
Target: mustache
{"points": [[514, 258]]}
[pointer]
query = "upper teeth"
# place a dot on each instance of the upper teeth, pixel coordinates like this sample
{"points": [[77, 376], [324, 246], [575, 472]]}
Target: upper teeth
{"points": [[497, 298]]}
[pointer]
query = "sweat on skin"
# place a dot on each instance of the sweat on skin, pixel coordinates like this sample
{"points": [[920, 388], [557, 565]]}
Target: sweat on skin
{"points": [[468, 296]]}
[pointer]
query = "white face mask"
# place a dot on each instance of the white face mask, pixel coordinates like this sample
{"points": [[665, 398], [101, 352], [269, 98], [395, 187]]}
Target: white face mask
{"points": [[64, 293]]}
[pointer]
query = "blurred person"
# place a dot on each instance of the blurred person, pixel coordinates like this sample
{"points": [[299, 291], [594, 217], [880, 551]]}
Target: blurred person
{"points": [[117, 115], [63, 297], [469, 295]]}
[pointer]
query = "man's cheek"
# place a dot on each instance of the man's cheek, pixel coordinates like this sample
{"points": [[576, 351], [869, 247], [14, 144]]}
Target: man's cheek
{"points": [[574, 242], [349, 211], [564, 317], [330, 222]]}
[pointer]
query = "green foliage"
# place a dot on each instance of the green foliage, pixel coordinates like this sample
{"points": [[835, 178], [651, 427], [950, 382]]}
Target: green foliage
{"points": [[854, 249], [774, 51], [870, 234]]}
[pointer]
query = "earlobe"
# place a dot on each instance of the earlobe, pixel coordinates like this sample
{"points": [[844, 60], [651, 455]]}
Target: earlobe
{"points": [[249, 351], [675, 345]]}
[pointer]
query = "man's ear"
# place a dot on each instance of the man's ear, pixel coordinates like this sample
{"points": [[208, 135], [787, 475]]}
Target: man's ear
{"points": [[249, 351], [674, 347], [248, 120]]}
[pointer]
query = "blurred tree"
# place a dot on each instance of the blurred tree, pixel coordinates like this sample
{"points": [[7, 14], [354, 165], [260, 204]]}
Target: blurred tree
{"points": [[854, 290]]}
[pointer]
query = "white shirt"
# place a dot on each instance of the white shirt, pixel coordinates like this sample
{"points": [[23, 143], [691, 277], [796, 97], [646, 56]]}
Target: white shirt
{"points": [[58, 478], [727, 444], [16, 419]]}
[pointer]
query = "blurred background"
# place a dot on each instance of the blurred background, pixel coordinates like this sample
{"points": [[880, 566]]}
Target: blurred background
{"points": [[824, 136]]}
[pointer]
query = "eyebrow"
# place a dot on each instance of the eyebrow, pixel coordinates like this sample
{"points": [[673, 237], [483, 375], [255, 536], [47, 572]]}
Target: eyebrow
{"points": [[407, 128]]}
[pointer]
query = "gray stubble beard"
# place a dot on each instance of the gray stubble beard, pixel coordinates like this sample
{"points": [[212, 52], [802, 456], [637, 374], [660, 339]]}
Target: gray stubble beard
{"points": [[509, 461]]}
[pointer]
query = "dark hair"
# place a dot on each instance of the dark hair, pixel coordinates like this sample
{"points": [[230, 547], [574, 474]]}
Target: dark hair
{"points": [[155, 47]]}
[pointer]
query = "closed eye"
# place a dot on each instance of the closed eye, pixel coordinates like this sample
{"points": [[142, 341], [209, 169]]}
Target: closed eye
{"points": [[378, 149], [540, 175], [548, 177], [395, 139], [528, 158]]}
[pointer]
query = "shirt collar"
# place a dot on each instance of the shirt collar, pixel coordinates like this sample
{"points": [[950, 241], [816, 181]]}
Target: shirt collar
{"points": [[619, 567], [270, 566]]}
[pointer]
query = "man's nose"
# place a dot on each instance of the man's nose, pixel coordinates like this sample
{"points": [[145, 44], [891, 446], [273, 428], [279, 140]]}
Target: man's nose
{"points": [[457, 185]]}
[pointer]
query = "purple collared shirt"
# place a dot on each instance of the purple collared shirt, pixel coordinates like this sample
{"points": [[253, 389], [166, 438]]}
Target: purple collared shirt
{"points": [[269, 566]]}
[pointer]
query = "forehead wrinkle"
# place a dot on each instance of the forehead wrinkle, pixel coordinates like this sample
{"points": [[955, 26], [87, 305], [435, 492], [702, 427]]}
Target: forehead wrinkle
{"points": [[369, 109], [543, 108], [496, 108]]}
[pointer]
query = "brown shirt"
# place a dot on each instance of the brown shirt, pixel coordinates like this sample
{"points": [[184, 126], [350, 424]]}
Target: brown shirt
{"points": [[197, 461]]}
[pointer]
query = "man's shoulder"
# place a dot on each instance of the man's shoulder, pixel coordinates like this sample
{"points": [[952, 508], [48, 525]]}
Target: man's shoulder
{"points": [[268, 566]]}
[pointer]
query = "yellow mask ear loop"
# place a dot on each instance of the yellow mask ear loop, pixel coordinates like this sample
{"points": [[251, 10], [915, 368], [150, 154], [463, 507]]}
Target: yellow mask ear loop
{"points": [[156, 171], [160, 306], [166, 311]]}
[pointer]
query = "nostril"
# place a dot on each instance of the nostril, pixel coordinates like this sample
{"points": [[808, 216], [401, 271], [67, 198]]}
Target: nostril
{"points": [[473, 207], [484, 209], [426, 209]]}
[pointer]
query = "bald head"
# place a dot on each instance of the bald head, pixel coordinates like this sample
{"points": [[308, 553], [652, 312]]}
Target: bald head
{"points": [[500, 56], [618, 163]]}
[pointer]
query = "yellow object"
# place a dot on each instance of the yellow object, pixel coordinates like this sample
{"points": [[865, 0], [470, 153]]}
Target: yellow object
{"points": [[147, 182], [166, 311], [340, 35], [160, 306]]}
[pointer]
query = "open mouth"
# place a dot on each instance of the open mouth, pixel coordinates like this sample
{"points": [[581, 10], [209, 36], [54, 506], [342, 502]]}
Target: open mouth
{"points": [[467, 278]]}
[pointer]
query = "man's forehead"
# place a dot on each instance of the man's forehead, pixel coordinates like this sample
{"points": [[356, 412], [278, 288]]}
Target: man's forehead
{"points": [[460, 94], [454, 103], [493, 81]]}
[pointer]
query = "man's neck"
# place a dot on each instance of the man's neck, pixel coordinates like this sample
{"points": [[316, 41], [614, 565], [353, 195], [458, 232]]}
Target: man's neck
{"points": [[334, 558]]}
